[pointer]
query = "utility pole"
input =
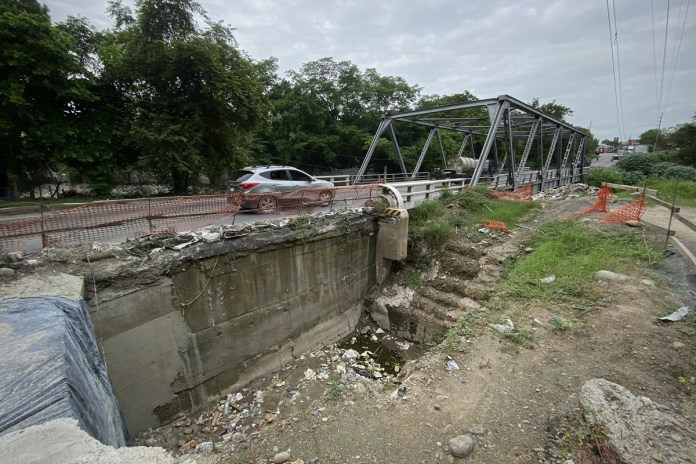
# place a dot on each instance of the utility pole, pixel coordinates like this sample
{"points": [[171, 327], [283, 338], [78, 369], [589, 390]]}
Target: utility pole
{"points": [[657, 135]]}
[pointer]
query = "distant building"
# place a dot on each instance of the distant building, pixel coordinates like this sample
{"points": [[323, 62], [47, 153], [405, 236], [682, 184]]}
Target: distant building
{"points": [[630, 149], [601, 148]]}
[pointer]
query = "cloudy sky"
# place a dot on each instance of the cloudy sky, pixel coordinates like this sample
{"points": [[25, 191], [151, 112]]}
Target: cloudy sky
{"points": [[554, 50]]}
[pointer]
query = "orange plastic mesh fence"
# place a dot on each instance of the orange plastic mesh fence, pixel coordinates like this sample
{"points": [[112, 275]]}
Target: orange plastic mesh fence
{"points": [[523, 193], [115, 221], [630, 212], [310, 198], [496, 225], [600, 204]]}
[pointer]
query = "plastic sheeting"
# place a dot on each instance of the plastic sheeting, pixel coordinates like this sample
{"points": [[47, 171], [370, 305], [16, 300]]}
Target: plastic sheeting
{"points": [[51, 368]]}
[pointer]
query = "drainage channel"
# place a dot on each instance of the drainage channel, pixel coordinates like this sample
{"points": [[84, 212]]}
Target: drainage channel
{"points": [[375, 354], [369, 359]]}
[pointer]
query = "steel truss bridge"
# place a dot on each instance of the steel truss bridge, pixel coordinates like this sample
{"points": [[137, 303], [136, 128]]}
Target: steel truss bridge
{"points": [[503, 121]]}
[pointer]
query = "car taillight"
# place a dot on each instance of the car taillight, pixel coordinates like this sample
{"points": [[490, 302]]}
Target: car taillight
{"points": [[248, 185]]}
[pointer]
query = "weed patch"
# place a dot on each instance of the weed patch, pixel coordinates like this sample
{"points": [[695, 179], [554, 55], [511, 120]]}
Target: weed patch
{"points": [[570, 253], [433, 223], [583, 442], [464, 328]]}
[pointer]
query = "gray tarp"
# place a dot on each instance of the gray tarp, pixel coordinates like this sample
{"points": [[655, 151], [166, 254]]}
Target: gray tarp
{"points": [[51, 368]]}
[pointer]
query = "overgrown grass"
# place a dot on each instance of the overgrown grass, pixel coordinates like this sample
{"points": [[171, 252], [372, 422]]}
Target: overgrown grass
{"points": [[465, 327], [666, 187], [433, 223], [572, 252], [685, 191]]}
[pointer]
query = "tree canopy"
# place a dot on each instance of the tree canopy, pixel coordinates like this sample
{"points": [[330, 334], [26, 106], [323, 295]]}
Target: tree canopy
{"points": [[165, 92]]}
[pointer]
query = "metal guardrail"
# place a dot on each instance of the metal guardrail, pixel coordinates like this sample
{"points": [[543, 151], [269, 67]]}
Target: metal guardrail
{"points": [[343, 180], [411, 193]]}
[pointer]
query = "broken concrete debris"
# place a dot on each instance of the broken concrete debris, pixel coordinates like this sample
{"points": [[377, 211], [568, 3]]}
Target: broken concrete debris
{"points": [[239, 417], [566, 191]]}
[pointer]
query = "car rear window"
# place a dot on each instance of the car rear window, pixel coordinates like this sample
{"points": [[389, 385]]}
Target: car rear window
{"points": [[243, 175], [299, 175], [278, 174]]}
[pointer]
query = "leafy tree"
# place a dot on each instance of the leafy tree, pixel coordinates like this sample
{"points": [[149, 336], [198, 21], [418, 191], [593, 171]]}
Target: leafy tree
{"points": [[553, 109], [655, 138], [611, 143], [684, 138], [190, 99], [324, 115], [41, 85]]}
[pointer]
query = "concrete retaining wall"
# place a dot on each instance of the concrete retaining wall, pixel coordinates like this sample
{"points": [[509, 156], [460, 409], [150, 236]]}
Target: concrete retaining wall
{"points": [[217, 321]]}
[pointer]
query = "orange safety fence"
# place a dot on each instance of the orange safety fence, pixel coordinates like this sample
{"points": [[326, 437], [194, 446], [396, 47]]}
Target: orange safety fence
{"points": [[600, 204], [118, 220], [523, 193], [496, 225], [630, 212], [310, 198]]}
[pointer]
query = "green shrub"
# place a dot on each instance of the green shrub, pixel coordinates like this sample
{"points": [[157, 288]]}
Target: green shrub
{"points": [[637, 162], [660, 169], [632, 178], [682, 172], [474, 199], [598, 175]]}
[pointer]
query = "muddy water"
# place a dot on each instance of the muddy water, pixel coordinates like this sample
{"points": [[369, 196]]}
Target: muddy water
{"points": [[380, 349]]}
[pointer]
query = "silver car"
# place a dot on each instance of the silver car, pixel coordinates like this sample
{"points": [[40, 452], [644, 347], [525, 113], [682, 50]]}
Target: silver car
{"points": [[266, 188]]}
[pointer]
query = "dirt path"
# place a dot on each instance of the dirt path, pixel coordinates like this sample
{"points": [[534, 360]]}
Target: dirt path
{"points": [[511, 403]]}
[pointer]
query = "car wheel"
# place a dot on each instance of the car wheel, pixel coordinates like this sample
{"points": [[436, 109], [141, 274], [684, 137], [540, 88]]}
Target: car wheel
{"points": [[266, 204], [325, 197]]}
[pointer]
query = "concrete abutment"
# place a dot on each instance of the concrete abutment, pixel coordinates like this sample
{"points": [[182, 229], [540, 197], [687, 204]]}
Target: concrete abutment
{"points": [[225, 313]]}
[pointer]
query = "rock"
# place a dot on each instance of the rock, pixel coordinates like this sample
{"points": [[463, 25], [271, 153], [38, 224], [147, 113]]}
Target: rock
{"points": [[678, 345], [281, 457], [461, 446], [6, 272], [637, 427], [206, 448], [187, 430], [314, 461], [647, 282], [15, 256], [504, 328], [611, 276], [351, 355], [633, 223], [188, 447], [492, 270], [467, 302]]}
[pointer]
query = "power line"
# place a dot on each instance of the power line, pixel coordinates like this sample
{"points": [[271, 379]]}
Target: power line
{"points": [[618, 65], [613, 67], [664, 57], [657, 89], [678, 48]]}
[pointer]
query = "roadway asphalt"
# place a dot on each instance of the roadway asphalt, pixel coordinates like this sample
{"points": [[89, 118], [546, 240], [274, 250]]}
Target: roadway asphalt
{"points": [[604, 161]]}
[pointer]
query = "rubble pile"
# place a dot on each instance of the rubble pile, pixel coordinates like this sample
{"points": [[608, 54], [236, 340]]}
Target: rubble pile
{"points": [[340, 372], [566, 191]]}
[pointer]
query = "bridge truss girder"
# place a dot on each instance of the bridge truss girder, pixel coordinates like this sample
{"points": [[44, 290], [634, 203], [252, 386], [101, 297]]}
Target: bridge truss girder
{"points": [[505, 118]]}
